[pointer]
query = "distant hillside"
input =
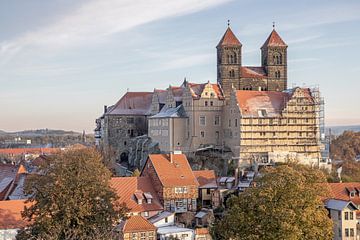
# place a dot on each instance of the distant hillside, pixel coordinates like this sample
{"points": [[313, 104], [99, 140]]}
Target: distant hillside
{"points": [[39, 132], [338, 130]]}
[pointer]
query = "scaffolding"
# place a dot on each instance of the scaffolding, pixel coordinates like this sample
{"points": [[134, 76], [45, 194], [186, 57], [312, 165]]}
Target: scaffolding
{"points": [[320, 118]]}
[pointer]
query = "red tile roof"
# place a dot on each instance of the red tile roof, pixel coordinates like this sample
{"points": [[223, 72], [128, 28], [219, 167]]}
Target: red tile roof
{"points": [[127, 187], [20, 151], [10, 214], [133, 103], [340, 191], [205, 177], [229, 39], [137, 224], [175, 173], [250, 102], [253, 72], [201, 231], [198, 88], [274, 40]]}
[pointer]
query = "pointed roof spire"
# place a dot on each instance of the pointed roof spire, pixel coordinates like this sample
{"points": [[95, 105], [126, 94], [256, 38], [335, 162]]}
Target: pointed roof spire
{"points": [[274, 39], [229, 38]]}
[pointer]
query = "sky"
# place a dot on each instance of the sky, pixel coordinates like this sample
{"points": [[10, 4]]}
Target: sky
{"points": [[61, 61]]}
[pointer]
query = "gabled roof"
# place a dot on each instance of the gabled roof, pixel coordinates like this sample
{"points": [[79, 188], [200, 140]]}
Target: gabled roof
{"points": [[271, 103], [274, 40], [126, 187], [137, 223], [168, 112], [175, 172], [206, 178], [132, 103], [229, 39], [253, 72], [340, 204], [197, 89], [10, 214], [340, 191], [160, 216]]}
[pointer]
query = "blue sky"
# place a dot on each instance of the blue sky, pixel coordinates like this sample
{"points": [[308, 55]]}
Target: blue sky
{"points": [[62, 60]]}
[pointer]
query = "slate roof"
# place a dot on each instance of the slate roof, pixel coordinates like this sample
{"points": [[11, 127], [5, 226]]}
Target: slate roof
{"points": [[206, 178], [132, 103], [340, 204], [126, 187], [8, 176], [160, 216], [229, 39], [167, 112], [274, 40], [175, 173], [251, 102], [137, 223]]}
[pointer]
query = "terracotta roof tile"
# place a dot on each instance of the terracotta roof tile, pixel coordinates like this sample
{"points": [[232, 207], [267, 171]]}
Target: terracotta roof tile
{"points": [[127, 187], [201, 231], [229, 39], [253, 72], [133, 103], [175, 173], [340, 191], [274, 40], [251, 102], [20, 151], [10, 214], [206, 178], [136, 224]]}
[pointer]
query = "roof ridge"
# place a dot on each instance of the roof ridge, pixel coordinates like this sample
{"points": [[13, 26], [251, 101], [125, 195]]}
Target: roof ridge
{"points": [[229, 39]]}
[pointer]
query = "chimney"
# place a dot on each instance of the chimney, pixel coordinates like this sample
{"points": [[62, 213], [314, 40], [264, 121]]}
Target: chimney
{"points": [[105, 108], [236, 176], [171, 157]]}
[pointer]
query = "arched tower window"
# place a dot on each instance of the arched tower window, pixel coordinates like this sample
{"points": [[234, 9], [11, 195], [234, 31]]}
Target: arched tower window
{"points": [[277, 74], [232, 73], [235, 58], [277, 59]]}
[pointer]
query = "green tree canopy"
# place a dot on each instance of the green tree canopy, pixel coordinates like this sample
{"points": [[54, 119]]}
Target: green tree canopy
{"points": [[285, 204], [72, 199]]}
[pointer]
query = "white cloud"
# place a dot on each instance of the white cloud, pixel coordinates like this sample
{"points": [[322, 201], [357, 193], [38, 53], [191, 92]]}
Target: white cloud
{"points": [[304, 19], [97, 19]]}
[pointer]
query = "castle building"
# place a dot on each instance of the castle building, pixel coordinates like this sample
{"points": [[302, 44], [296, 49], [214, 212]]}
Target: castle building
{"points": [[249, 112]]}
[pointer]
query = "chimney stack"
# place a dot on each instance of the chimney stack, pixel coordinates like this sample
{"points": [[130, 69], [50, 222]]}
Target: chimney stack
{"points": [[171, 157], [105, 108]]}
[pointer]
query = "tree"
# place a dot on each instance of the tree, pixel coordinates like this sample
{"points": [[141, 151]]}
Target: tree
{"points": [[285, 204], [136, 173], [72, 199]]}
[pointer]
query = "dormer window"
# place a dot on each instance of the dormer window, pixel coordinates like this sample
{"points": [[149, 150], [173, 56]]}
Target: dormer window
{"points": [[148, 197], [139, 197], [351, 191]]}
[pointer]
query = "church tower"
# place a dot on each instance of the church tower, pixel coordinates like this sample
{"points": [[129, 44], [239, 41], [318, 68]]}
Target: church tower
{"points": [[274, 61], [228, 61]]}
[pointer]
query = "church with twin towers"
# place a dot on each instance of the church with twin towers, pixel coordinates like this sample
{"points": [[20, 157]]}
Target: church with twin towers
{"points": [[270, 76], [248, 112]]}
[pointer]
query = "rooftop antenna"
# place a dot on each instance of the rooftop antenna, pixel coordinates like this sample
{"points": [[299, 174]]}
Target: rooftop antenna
{"points": [[273, 25], [228, 23]]}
